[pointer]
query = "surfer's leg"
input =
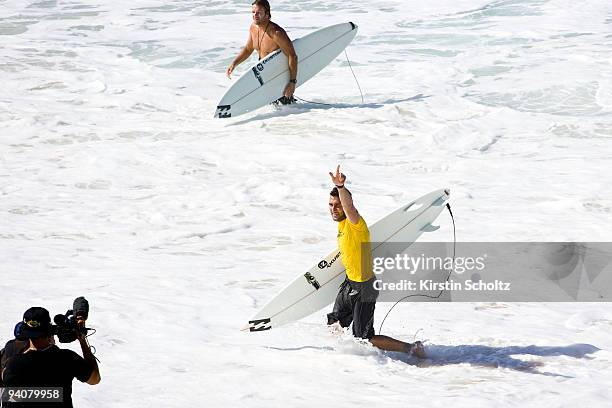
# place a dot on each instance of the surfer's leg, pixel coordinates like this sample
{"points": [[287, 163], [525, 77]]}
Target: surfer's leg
{"points": [[363, 324], [363, 319], [364, 303], [390, 344], [343, 308]]}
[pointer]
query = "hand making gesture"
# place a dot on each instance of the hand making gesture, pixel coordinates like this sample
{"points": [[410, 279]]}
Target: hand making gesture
{"points": [[339, 178]]}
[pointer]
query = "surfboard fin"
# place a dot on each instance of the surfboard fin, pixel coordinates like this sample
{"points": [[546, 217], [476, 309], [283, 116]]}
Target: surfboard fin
{"points": [[430, 228], [413, 206]]}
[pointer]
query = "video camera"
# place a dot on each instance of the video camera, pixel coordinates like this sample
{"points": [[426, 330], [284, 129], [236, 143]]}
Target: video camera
{"points": [[66, 326], [67, 329]]}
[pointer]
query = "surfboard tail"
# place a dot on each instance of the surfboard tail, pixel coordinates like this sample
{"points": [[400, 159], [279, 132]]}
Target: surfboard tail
{"points": [[223, 111], [258, 325]]}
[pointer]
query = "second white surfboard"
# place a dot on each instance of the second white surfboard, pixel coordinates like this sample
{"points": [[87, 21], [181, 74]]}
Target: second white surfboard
{"points": [[265, 81]]}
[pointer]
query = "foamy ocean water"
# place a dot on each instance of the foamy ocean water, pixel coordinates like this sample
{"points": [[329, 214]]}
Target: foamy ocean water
{"points": [[117, 184]]}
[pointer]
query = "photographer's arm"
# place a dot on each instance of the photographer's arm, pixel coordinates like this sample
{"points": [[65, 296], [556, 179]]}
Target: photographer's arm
{"points": [[94, 378]]}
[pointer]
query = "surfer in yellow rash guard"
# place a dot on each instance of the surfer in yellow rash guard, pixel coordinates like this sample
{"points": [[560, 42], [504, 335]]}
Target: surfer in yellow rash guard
{"points": [[356, 299], [266, 37]]}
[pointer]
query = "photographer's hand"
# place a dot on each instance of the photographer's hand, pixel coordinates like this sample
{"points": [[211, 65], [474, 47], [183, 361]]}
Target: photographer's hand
{"points": [[94, 378]]}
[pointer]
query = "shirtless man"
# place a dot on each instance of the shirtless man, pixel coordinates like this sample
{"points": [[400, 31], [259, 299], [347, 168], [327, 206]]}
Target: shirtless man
{"points": [[266, 36]]}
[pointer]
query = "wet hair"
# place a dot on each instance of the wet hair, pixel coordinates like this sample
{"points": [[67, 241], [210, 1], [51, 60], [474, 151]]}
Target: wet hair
{"points": [[336, 193], [263, 3]]}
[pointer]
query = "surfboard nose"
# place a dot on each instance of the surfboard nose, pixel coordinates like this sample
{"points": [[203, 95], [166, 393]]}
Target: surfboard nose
{"points": [[353, 25]]}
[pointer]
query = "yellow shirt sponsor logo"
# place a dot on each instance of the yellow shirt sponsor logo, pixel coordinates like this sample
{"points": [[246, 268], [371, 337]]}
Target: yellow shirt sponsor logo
{"points": [[355, 250]]}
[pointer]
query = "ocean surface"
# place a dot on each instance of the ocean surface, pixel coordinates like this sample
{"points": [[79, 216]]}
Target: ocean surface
{"points": [[117, 184]]}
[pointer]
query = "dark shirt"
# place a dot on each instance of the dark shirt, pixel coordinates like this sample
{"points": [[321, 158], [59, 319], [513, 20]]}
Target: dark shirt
{"points": [[11, 349], [52, 367]]}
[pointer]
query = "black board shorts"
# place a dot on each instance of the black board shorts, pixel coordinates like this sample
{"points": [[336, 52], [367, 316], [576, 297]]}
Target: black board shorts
{"points": [[283, 100], [355, 303]]}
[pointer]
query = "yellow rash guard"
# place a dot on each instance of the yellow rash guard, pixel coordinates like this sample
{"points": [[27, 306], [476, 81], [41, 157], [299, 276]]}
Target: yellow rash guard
{"points": [[350, 240]]}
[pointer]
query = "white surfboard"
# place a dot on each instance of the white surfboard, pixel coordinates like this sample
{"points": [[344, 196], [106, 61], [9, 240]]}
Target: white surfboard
{"points": [[265, 81], [318, 287]]}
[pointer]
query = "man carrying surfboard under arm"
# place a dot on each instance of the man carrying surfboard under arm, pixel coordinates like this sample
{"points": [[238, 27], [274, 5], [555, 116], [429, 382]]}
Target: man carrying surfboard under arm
{"points": [[266, 37], [356, 299]]}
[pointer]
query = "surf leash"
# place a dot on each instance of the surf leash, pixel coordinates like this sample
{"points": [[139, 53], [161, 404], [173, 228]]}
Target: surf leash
{"points": [[315, 103], [329, 104], [447, 278], [354, 76]]}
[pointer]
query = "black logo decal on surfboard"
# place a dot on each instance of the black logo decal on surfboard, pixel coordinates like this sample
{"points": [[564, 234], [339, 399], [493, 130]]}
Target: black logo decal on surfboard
{"points": [[257, 75], [222, 111], [312, 280], [324, 264], [259, 325], [268, 59]]}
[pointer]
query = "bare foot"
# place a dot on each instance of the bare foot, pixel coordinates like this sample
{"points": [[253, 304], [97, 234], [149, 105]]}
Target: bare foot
{"points": [[335, 329], [417, 350]]}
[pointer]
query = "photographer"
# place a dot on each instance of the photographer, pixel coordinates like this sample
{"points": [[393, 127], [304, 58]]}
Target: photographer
{"points": [[12, 348], [43, 364]]}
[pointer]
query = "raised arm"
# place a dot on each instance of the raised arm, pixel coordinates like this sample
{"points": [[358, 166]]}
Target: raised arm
{"points": [[345, 197], [245, 53], [282, 40], [94, 378]]}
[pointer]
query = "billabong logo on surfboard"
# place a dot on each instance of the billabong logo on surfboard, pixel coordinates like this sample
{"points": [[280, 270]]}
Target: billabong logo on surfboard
{"points": [[223, 111], [259, 325]]}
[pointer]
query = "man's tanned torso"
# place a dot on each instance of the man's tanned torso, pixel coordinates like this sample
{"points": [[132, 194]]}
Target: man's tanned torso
{"points": [[261, 38]]}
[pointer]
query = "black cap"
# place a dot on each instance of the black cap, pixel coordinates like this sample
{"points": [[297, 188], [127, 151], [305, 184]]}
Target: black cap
{"points": [[37, 323]]}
